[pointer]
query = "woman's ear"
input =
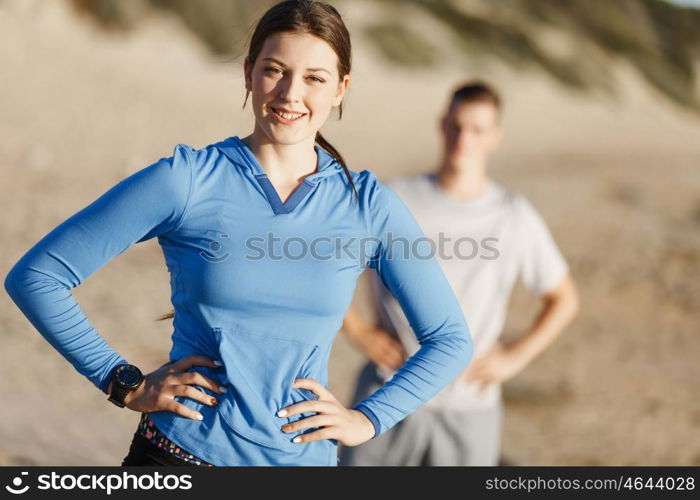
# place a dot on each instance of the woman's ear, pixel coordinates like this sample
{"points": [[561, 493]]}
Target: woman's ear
{"points": [[248, 74], [342, 88]]}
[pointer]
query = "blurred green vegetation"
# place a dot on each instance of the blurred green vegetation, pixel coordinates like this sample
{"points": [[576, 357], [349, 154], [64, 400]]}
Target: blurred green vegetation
{"points": [[223, 25], [660, 40], [401, 45]]}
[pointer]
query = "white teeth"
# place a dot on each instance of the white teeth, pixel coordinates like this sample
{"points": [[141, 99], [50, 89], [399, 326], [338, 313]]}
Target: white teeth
{"points": [[289, 116]]}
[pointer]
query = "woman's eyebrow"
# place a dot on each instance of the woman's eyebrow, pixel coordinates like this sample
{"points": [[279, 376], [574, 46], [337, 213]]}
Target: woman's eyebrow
{"points": [[269, 58]]}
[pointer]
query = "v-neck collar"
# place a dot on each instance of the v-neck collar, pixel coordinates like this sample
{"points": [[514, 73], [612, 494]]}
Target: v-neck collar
{"points": [[238, 152]]}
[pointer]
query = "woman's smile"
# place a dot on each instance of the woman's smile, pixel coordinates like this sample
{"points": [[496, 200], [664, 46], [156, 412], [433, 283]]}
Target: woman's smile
{"points": [[286, 116]]}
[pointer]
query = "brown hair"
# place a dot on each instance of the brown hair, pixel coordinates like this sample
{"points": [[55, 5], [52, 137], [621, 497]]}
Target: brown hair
{"points": [[316, 18], [476, 91]]}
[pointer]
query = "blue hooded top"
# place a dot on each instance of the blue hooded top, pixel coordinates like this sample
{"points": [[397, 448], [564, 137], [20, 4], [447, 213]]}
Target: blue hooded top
{"points": [[259, 284]]}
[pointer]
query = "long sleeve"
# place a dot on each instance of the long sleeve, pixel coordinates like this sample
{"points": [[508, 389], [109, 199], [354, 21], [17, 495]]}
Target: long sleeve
{"points": [[406, 265], [148, 203]]}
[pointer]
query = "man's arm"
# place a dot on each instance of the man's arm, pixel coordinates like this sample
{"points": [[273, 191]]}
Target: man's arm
{"points": [[376, 343], [560, 306], [544, 271]]}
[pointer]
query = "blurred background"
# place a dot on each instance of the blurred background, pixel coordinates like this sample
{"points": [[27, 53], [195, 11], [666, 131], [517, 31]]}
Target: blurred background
{"points": [[602, 134]]}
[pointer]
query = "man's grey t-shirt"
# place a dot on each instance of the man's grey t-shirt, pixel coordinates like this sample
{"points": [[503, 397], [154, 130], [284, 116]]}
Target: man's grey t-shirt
{"points": [[482, 244]]}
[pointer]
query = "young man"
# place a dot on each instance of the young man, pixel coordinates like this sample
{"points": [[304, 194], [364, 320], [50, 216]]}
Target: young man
{"points": [[485, 236]]}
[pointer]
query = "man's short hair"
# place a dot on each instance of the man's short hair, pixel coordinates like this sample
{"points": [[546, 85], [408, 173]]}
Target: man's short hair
{"points": [[476, 91]]}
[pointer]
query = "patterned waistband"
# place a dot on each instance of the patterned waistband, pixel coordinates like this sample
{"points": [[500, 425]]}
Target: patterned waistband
{"points": [[149, 430]]}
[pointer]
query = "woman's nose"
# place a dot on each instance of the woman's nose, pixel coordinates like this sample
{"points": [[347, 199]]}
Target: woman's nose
{"points": [[291, 89]]}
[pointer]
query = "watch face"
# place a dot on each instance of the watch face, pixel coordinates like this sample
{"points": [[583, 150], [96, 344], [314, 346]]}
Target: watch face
{"points": [[128, 376]]}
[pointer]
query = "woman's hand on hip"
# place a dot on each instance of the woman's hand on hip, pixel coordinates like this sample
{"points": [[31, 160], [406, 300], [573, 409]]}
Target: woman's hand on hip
{"points": [[158, 390], [348, 426]]}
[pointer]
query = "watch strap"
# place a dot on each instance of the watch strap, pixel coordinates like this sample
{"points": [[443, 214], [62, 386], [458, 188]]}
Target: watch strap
{"points": [[118, 392], [118, 395]]}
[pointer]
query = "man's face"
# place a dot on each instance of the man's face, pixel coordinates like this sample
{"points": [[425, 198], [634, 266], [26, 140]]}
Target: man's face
{"points": [[470, 131]]}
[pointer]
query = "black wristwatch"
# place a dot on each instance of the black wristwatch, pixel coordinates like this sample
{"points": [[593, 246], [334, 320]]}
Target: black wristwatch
{"points": [[125, 378]]}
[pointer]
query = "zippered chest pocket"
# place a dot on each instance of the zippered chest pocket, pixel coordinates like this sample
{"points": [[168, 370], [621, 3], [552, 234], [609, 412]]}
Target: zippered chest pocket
{"points": [[259, 370]]}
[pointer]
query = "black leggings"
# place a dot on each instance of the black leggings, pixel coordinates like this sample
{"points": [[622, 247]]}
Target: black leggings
{"points": [[143, 452]]}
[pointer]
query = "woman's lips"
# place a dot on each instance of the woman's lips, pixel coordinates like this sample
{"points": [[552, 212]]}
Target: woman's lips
{"points": [[287, 116]]}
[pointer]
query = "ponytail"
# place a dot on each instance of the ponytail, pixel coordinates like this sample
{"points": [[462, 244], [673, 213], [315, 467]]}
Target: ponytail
{"points": [[169, 315], [334, 152]]}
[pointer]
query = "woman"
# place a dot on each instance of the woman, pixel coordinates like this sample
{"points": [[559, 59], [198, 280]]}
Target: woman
{"points": [[264, 238]]}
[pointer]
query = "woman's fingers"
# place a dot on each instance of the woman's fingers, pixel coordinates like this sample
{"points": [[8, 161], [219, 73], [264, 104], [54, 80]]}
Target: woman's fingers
{"points": [[178, 374], [176, 407], [190, 392], [332, 418], [308, 422], [161, 386], [183, 364], [309, 406], [314, 386], [196, 378], [322, 433]]}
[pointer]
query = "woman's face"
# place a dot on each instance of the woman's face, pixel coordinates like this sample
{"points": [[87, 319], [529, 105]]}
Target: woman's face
{"points": [[294, 84]]}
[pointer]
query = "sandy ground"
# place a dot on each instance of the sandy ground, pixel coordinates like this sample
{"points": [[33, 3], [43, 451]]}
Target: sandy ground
{"points": [[616, 178]]}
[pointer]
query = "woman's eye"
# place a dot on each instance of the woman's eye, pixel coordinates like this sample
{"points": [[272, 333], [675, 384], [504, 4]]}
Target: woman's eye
{"points": [[273, 70], [317, 79]]}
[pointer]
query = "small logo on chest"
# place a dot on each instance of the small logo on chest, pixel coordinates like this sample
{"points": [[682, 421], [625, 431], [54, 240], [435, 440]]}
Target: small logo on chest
{"points": [[217, 250]]}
